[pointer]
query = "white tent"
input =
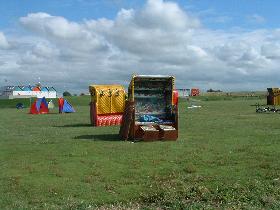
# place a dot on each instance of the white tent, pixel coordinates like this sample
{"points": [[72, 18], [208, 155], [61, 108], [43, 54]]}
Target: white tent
{"points": [[50, 104]]}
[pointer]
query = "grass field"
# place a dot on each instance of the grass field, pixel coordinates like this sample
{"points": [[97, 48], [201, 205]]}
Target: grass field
{"points": [[227, 156]]}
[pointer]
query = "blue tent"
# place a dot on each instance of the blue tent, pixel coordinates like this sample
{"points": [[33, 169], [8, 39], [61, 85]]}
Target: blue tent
{"points": [[51, 89], [67, 107], [26, 88], [19, 106], [44, 89], [41, 101], [17, 88]]}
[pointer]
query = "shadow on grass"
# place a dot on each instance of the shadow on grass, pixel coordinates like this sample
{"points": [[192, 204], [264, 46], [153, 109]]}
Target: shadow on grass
{"points": [[258, 104], [74, 125], [99, 137]]}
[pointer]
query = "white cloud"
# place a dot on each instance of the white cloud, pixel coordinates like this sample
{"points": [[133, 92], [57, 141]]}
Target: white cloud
{"points": [[51, 25], [63, 32], [271, 50], [45, 50], [3, 41], [165, 15], [160, 38]]}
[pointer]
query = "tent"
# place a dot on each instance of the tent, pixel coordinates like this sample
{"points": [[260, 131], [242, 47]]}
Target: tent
{"points": [[50, 104], [40, 106], [36, 88], [65, 106], [26, 88], [44, 89], [19, 106], [17, 88]]}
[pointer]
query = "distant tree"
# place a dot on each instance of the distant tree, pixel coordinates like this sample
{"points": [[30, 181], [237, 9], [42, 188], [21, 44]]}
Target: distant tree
{"points": [[82, 94], [213, 91], [66, 93]]}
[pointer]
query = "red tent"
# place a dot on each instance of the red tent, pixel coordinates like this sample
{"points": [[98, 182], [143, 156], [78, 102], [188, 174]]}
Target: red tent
{"points": [[40, 106], [36, 89]]}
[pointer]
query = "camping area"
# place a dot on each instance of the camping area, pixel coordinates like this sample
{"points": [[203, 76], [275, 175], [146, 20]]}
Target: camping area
{"points": [[226, 156]]}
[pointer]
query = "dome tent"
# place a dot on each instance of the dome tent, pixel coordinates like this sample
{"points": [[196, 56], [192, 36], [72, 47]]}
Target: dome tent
{"points": [[50, 104], [19, 106], [65, 106], [40, 106]]}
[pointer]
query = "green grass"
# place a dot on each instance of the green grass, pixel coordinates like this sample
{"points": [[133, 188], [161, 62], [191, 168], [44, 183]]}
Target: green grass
{"points": [[227, 156], [11, 103], [227, 98], [8, 103]]}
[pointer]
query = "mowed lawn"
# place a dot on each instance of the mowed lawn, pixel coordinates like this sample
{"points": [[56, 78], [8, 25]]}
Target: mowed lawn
{"points": [[227, 156]]}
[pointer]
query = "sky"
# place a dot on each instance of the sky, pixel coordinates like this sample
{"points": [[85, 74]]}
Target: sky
{"points": [[230, 45]]}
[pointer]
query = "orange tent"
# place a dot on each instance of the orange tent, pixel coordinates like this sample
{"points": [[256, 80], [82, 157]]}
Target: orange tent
{"points": [[36, 89]]}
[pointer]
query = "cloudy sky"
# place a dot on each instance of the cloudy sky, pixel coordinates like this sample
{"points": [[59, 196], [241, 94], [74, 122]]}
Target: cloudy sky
{"points": [[220, 44]]}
